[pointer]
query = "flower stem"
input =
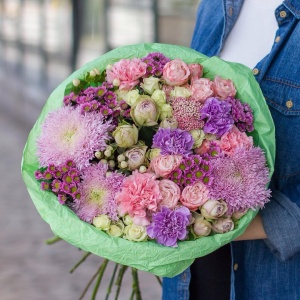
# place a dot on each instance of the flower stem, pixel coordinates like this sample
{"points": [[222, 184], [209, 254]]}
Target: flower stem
{"points": [[53, 240], [135, 284], [119, 280], [159, 280], [89, 283], [86, 254], [111, 281], [101, 272]]}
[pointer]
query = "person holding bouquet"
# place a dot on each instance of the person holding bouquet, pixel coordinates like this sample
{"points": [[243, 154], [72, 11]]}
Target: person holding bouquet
{"points": [[266, 258]]}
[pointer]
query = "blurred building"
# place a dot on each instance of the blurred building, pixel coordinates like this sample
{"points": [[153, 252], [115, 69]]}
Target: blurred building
{"points": [[43, 41]]}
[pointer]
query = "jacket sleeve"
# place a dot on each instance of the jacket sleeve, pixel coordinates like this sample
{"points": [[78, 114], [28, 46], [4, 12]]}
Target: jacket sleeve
{"points": [[281, 221]]}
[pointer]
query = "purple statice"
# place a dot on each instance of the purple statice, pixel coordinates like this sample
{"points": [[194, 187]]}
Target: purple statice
{"points": [[173, 141], [217, 116], [98, 189], [169, 225], [66, 133], [241, 179], [193, 168], [242, 114], [155, 63]]}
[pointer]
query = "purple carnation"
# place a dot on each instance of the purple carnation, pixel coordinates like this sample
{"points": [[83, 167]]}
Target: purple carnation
{"points": [[241, 179], [217, 116], [173, 141], [168, 226]]}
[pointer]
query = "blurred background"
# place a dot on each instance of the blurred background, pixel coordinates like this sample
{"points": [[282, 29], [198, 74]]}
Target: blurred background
{"points": [[41, 43]]}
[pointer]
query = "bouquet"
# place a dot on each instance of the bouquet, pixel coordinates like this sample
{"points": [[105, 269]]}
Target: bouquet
{"points": [[152, 155]]}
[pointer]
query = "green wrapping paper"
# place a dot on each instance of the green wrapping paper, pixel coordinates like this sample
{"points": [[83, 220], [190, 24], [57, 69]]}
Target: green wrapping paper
{"points": [[147, 256]]}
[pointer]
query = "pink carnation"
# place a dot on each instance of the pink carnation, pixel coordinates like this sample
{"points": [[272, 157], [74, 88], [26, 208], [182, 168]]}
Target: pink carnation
{"points": [[235, 139], [140, 195], [128, 72], [195, 195], [224, 88], [170, 193], [202, 89], [176, 72], [163, 165]]}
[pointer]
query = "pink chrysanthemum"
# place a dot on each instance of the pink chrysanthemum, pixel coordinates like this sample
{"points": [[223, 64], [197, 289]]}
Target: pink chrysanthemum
{"points": [[67, 133], [98, 189], [240, 180]]}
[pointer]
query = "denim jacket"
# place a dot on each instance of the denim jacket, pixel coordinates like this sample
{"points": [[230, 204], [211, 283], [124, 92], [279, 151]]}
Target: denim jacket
{"points": [[264, 269]]}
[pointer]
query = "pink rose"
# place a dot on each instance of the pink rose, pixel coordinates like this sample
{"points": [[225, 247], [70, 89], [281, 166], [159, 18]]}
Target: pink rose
{"points": [[235, 139], [128, 72], [195, 195], [170, 193], [196, 71], [202, 89], [139, 195], [176, 72], [224, 88], [163, 165], [204, 148]]}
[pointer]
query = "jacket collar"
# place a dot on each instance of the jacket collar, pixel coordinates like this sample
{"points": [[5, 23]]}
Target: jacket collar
{"points": [[293, 6]]}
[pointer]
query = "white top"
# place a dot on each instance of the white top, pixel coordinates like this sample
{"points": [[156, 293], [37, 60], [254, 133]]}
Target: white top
{"points": [[253, 34]]}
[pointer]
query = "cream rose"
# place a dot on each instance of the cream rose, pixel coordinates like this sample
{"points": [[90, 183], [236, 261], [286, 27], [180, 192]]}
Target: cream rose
{"points": [[135, 233], [150, 84]]}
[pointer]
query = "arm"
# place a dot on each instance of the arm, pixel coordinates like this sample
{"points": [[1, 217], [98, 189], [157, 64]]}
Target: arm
{"points": [[279, 224], [254, 231]]}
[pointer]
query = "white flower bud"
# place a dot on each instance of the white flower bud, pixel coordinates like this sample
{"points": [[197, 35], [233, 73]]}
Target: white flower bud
{"points": [[111, 163], [109, 67], [142, 169], [107, 153], [116, 82], [104, 161], [76, 82], [121, 157], [93, 73], [97, 71], [123, 164], [109, 147], [98, 154]]}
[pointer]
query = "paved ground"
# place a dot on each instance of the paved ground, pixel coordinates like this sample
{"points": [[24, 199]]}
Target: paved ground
{"points": [[30, 269]]}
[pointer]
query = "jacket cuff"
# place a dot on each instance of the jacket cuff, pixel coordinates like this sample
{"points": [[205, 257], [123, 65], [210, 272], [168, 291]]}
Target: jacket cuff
{"points": [[281, 221]]}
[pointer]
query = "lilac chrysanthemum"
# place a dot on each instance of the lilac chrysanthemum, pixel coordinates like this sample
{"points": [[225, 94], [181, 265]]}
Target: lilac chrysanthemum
{"points": [[193, 168], [217, 116], [98, 189], [155, 63], [67, 133], [241, 179], [168, 226], [173, 141]]}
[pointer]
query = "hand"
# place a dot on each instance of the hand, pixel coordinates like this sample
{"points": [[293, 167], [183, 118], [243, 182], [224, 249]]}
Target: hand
{"points": [[255, 230]]}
